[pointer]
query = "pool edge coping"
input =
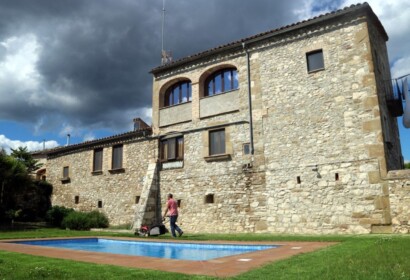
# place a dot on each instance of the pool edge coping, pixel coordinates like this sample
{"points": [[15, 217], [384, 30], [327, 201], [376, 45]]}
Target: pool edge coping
{"points": [[219, 267]]}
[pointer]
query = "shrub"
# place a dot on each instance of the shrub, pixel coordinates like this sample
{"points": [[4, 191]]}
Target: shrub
{"points": [[85, 220], [56, 215], [98, 220]]}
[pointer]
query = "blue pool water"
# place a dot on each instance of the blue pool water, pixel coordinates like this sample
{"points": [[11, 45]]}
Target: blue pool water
{"points": [[180, 251]]}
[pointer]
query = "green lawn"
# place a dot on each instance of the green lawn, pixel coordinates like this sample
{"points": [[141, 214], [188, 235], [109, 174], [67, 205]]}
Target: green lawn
{"points": [[355, 257]]}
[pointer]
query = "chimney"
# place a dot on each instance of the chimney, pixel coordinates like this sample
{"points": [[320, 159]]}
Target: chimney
{"points": [[139, 124], [68, 139]]}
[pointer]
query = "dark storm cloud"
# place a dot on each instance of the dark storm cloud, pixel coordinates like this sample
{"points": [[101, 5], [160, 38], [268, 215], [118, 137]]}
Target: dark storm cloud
{"points": [[99, 52]]}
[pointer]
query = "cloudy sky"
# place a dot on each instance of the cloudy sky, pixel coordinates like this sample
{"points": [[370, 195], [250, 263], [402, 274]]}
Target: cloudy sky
{"points": [[82, 66]]}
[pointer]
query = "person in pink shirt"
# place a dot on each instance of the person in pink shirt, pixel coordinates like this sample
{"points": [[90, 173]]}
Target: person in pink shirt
{"points": [[172, 212]]}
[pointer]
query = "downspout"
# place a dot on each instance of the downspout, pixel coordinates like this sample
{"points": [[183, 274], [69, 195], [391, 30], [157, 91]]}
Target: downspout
{"points": [[249, 98]]}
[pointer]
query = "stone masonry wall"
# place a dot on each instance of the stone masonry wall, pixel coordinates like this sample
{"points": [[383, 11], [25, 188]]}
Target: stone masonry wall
{"points": [[399, 186], [389, 127], [319, 151], [117, 191], [322, 122], [239, 196]]}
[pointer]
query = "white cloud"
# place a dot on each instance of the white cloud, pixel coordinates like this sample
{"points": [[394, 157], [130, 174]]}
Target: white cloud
{"points": [[67, 129], [18, 66], [21, 81], [89, 136], [395, 17], [8, 144]]}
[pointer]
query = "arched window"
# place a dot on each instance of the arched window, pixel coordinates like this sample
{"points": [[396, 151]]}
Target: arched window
{"points": [[221, 81], [178, 93]]}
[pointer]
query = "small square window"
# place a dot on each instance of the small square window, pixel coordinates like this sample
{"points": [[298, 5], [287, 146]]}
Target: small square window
{"points": [[209, 199], [315, 60], [137, 199], [77, 199], [99, 203], [246, 149]]}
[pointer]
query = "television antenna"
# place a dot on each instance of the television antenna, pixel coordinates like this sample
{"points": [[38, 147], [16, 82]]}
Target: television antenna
{"points": [[166, 56]]}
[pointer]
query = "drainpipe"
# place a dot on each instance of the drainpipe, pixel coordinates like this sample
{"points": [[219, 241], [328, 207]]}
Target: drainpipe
{"points": [[249, 97]]}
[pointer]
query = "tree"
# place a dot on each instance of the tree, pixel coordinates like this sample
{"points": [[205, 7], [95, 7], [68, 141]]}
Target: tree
{"points": [[13, 179], [23, 155], [21, 198], [407, 165]]}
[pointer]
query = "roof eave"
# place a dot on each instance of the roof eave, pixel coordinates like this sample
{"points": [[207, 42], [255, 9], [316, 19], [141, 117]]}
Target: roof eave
{"points": [[250, 40]]}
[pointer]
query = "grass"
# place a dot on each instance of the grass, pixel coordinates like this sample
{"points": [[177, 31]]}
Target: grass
{"points": [[355, 257]]}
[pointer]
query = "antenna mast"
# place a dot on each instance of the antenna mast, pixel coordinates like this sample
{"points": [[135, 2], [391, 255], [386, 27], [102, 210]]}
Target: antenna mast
{"points": [[166, 56]]}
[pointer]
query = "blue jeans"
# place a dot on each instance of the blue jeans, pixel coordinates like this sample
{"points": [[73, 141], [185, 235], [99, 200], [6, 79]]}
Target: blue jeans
{"points": [[172, 222]]}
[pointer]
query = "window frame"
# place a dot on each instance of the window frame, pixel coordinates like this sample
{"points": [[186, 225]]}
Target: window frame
{"points": [[216, 151], [177, 153], [115, 149], [100, 165], [169, 96], [220, 74], [311, 64], [66, 172], [66, 175]]}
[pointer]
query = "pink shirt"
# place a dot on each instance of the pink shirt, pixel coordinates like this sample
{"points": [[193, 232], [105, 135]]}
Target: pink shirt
{"points": [[172, 207]]}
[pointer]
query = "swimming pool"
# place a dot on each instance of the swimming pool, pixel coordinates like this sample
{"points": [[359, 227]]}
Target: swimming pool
{"points": [[179, 251]]}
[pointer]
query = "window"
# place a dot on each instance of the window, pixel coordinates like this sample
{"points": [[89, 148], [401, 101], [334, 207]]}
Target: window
{"points": [[221, 81], [117, 157], [217, 142], [246, 148], [77, 199], [100, 205], [66, 172], [178, 93], [172, 149], [315, 60], [97, 162], [209, 198]]}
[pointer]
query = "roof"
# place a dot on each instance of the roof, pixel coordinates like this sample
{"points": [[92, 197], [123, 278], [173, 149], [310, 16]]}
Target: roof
{"points": [[365, 7], [118, 138]]}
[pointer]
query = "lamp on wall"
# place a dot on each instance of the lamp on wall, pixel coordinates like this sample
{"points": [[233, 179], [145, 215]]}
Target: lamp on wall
{"points": [[316, 169]]}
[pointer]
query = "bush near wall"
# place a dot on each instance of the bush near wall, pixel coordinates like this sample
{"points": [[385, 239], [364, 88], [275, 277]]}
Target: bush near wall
{"points": [[85, 220], [56, 215]]}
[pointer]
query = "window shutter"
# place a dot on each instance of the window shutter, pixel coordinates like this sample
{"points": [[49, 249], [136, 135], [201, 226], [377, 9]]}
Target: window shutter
{"points": [[171, 148], [98, 155], [117, 157]]}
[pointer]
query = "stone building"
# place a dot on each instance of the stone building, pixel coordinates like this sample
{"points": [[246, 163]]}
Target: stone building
{"points": [[289, 131]]}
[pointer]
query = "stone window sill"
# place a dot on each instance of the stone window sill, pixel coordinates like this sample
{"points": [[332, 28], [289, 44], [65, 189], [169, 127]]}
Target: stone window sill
{"points": [[316, 70], [117, 170], [166, 165], [65, 180], [223, 157], [99, 172]]}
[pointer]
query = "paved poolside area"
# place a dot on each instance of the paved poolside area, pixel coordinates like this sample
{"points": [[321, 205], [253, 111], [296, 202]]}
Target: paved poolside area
{"points": [[220, 267]]}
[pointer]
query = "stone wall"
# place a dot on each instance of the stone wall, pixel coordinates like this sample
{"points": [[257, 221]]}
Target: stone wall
{"points": [[399, 186], [117, 191], [319, 150]]}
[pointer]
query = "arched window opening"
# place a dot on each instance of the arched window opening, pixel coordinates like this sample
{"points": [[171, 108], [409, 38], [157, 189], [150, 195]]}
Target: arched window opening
{"points": [[221, 81], [179, 93]]}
